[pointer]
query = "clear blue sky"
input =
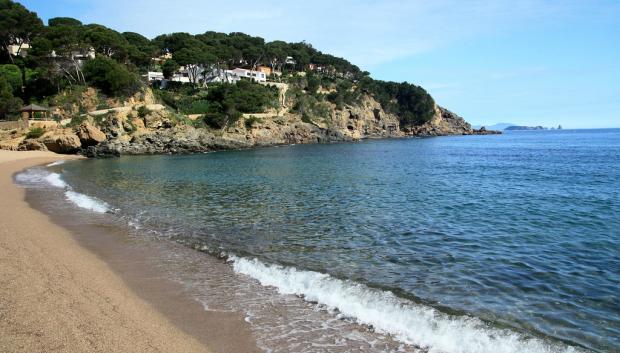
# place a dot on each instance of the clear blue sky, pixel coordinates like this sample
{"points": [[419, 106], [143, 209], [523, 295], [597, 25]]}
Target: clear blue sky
{"points": [[530, 62]]}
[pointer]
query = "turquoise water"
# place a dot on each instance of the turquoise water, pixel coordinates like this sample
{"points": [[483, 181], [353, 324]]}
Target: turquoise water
{"points": [[519, 231]]}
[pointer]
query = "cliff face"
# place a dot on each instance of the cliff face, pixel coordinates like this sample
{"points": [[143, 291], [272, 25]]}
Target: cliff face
{"points": [[445, 123], [141, 127], [158, 132]]}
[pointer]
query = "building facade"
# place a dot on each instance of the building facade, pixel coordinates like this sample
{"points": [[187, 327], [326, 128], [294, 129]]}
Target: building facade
{"points": [[252, 75]]}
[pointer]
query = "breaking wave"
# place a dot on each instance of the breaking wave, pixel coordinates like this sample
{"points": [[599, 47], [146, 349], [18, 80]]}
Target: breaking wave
{"points": [[36, 176], [408, 322], [86, 202], [56, 163], [55, 180]]}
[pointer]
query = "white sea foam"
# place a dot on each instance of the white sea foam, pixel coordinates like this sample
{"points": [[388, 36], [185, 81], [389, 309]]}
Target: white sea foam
{"points": [[86, 202], [56, 163], [409, 322], [36, 176], [30, 177], [55, 180]]}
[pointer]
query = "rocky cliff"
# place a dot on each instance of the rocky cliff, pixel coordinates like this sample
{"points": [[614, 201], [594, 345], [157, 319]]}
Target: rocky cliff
{"points": [[140, 126], [445, 123], [161, 131]]}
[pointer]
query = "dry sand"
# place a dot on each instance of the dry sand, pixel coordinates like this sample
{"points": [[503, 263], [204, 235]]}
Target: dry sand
{"points": [[57, 296]]}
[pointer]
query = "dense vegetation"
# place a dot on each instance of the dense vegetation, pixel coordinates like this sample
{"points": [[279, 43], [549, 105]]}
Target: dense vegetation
{"points": [[221, 104], [67, 55]]}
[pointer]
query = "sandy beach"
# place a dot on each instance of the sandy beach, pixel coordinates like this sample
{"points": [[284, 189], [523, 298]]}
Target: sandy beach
{"points": [[57, 296]]}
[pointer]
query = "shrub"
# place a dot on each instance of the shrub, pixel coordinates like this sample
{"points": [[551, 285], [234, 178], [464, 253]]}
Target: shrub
{"points": [[109, 76], [169, 67], [76, 120], [215, 120], [246, 97], [143, 111], [13, 75], [306, 118], [411, 103], [8, 103], [251, 121], [344, 94], [313, 84], [200, 106], [35, 132], [221, 114]]}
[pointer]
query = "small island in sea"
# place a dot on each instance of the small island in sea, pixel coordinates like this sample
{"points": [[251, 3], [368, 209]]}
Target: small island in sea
{"points": [[521, 128]]}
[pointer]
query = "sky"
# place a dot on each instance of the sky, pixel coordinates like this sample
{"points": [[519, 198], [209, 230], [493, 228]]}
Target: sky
{"points": [[526, 62]]}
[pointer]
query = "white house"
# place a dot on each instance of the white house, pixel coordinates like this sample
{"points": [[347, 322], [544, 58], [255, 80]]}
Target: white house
{"points": [[20, 49], [256, 76], [162, 58], [154, 76], [222, 76], [84, 54], [80, 55], [180, 77]]}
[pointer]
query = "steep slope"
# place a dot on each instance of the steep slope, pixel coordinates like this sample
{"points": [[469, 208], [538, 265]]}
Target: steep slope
{"points": [[140, 126], [159, 132]]}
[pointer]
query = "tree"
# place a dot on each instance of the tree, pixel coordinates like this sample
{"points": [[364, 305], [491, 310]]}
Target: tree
{"points": [[17, 25], [8, 103], [42, 83], [64, 21], [173, 42], [169, 68], [106, 41], [276, 53], [194, 60], [140, 49], [313, 83], [109, 76], [64, 42], [411, 103], [13, 76], [301, 55]]}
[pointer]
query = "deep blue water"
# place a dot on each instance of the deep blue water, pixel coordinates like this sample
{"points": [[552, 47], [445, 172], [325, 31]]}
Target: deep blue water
{"points": [[521, 230]]}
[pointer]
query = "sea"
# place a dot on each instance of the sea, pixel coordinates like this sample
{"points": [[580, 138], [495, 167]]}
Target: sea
{"points": [[460, 244]]}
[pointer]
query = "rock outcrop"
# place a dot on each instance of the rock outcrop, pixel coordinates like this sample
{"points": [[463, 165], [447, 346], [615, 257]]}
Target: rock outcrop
{"points": [[158, 132], [89, 135], [31, 145], [61, 141], [483, 131], [446, 123], [140, 126]]}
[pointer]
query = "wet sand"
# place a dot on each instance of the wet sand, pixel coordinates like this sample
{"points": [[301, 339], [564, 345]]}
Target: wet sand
{"points": [[81, 290]]}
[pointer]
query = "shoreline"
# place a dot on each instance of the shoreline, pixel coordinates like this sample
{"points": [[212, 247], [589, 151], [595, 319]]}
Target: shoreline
{"points": [[134, 258], [69, 290]]}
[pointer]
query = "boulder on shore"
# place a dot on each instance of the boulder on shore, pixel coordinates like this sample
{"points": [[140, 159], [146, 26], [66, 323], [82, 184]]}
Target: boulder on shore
{"points": [[62, 142], [100, 151], [31, 145], [90, 135]]}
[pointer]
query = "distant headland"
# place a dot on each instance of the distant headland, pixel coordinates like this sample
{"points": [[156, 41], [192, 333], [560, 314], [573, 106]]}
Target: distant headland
{"points": [[520, 128]]}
